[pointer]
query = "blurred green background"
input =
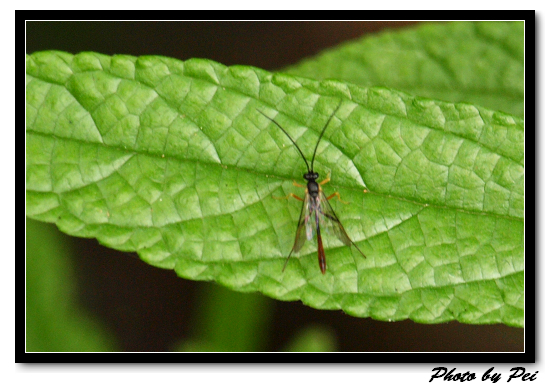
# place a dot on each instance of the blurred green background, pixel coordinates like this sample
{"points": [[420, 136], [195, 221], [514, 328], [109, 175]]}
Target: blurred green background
{"points": [[82, 296]]}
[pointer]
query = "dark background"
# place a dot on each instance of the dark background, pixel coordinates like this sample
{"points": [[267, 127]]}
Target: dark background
{"points": [[147, 307]]}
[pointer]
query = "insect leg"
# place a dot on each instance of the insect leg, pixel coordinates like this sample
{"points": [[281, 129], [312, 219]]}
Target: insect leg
{"points": [[333, 218], [288, 196], [325, 180], [336, 194], [335, 223], [287, 258], [292, 194]]}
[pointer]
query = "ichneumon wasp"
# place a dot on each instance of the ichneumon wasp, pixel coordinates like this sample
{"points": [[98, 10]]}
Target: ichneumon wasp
{"points": [[315, 208]]}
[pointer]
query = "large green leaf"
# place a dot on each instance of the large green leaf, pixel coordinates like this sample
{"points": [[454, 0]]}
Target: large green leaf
{"points": [[173, 160], [55, 321], [476, 62]]}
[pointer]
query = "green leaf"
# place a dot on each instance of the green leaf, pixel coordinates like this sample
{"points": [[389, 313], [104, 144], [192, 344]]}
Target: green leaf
{"points": [[55, 322], [476, 62], [173, 160], [228, 322], [313, 339]]}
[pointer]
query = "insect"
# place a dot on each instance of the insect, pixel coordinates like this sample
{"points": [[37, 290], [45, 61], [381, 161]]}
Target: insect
{"points": [[316, 210]]}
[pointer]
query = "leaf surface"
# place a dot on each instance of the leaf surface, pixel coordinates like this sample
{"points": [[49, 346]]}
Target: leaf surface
{"points": [[173, 160], [476, 62]]}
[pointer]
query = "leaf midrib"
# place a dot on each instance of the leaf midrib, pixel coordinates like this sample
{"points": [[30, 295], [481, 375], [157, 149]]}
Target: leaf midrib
{"points": [[261, 174]]}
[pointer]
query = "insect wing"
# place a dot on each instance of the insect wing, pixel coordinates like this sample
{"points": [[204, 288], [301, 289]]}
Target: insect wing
{"points": [[304, 224], [331, 221], [309, 222]]}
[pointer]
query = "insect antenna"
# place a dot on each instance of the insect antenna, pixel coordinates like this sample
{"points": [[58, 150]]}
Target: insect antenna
{"points": [[290, 138], [323, 132]]}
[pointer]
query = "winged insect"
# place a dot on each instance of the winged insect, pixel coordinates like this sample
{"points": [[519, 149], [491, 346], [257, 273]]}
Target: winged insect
{"points": [[316, 210]]}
